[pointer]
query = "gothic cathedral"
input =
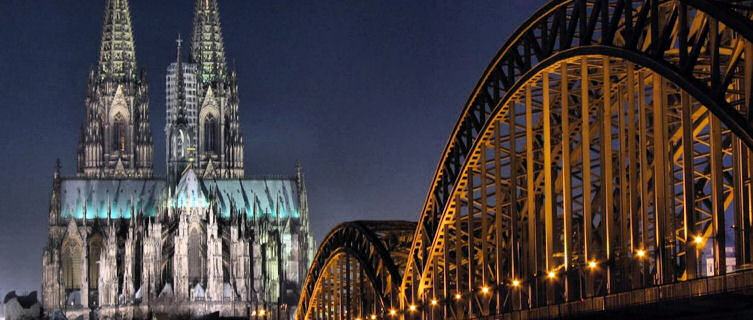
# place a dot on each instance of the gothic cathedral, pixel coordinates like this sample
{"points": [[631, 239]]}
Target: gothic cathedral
{"points": [[205, 239]]}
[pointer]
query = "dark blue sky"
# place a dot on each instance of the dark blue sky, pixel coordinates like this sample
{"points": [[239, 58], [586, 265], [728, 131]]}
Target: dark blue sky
{"points": [[364, 93]]}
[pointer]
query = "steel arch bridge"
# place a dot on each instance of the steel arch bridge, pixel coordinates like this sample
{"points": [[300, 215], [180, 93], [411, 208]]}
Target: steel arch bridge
{"points": [[602, 161], [358, 267]]}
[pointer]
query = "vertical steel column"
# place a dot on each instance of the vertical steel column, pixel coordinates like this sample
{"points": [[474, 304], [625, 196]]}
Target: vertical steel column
{"points": [[623, 262], [530, 199], [716, 157], [585, 132], [738, 196], [469, 225], [645, 173], [634, 182], [747, 235], [498, 196], [445, 275], [338, 289], [739, 163], [327, 293], [567, 192], [717, 197], [514, 212], [434, 284], [361, 295], [548, 190], [458, 256], [349, 301], [691, 264], [748, 196], [664, 271], [483, 261], [607, 170]]}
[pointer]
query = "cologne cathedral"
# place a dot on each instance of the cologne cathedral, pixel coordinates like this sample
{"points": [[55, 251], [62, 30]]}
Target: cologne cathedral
{"points": [[206, 239]]}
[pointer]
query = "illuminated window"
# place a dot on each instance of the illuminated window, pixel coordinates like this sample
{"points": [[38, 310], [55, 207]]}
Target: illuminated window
{"points": [[71, 266], [96, 245], [119, 133], [211, 133], [195, 257]]}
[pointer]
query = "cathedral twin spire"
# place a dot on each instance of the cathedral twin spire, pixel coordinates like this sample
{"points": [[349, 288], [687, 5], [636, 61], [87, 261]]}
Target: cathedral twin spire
{"points": [[210, 141], [117, 54], [207, 46], [116, 141]]}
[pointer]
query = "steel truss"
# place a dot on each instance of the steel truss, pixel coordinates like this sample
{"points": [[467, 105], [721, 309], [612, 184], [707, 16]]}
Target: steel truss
{"points": [[606, 149], [356, 271]]}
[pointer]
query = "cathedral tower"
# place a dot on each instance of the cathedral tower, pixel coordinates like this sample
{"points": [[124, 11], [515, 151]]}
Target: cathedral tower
{"points": [[210, 104], [116, 139], [123, 244]]}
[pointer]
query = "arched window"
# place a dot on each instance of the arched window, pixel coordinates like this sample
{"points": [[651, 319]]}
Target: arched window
{"points": [[211, 134], [96, 245], [178, 149], [119, 133], [195, 257], [72, 265]]}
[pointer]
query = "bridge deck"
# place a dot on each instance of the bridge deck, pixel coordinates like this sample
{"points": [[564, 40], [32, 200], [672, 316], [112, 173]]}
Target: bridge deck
{"points": [[732, 293]]}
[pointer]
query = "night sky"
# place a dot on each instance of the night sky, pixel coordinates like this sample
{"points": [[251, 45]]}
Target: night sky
{"points": [[363, 93]]}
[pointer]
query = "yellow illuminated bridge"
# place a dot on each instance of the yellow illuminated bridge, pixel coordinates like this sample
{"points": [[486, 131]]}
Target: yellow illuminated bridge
{"points": [[601, 168]]}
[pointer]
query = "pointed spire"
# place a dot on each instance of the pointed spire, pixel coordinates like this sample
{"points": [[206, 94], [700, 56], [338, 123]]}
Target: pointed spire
{"points": [[299, 171], [84, 210], [56, 176], [109, 208], [117, 55], [207, 47], [133, 209]]}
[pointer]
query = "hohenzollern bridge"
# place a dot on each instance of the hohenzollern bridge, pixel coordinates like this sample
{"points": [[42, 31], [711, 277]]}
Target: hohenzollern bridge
{"points": [[601, 169]]}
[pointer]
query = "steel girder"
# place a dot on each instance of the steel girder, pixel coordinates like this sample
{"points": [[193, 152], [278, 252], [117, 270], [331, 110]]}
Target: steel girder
{"points": [[691, 49], [356, 257]]}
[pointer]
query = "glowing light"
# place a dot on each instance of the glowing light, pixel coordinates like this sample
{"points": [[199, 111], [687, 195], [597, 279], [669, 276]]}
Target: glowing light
{"points": [[551, 275], [262, 312], [358, 318], [458, 296], [640, 253], [516, 283], [592, 264], [393, 312], [484, 289], [698, 240], [373, 316], [434, 302], [412, 307]]}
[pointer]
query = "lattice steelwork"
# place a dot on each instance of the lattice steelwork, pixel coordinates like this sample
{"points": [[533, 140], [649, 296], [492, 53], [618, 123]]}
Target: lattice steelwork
{"points": [[605, 150], [357, 271]]}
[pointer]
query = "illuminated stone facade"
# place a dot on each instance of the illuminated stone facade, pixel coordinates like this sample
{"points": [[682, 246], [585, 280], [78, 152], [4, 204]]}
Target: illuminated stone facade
{"points": [[206, 238]]}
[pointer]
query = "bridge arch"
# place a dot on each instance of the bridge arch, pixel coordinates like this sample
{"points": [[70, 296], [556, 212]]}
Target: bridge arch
{"points": [[359, 265], [606, 148], [703, 54]]}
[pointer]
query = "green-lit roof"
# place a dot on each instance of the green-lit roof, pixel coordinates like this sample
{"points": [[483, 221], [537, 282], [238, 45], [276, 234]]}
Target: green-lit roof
{"points": [[270, 197]]}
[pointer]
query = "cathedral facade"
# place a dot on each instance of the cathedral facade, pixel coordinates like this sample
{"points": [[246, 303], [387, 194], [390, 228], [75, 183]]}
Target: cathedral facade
{"points": [[206, 238]]}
